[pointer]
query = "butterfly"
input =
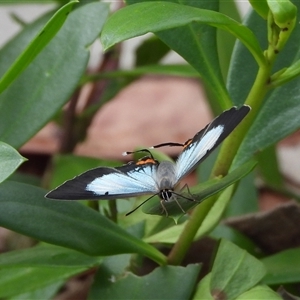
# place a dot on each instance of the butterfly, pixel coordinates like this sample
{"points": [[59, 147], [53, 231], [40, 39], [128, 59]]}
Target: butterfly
{"points": [[147, 176]]}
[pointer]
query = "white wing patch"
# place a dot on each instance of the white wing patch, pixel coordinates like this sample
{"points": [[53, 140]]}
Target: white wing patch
{"points": [[194, 152], [140, 180]]}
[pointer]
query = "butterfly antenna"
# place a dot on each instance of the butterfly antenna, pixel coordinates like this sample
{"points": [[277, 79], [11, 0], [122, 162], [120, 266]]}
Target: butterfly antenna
{"points": [[129, 213], [137, 151], [170, 144]]}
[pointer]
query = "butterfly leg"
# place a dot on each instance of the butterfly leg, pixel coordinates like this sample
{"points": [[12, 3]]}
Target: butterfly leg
{"points": [[175, 198], [189, 192], [163, 207]]}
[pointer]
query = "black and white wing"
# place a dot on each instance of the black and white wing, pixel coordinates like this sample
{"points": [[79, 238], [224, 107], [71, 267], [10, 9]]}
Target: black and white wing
{"points": [[130, 180], [205, 141]]}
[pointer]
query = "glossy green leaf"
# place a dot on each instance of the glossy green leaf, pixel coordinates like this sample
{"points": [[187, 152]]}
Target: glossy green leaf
{"points": [[279, 114], [47, 256], [36, 45], [10, 159], [168, 282], [260, 292], [140, 18], [65, 223], [199, 193], [283, 267], [15, 281], [234, 271], [48, 82]]}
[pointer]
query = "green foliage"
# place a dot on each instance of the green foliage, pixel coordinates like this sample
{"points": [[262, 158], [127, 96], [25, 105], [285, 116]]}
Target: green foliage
{"points": [[45, 65], [36, 45], [10, 160], [130, 285], [51, 87]]}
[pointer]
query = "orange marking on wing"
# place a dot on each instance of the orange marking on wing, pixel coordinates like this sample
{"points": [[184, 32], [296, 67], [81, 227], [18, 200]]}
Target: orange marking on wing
{"points": [[146, 161], [187, 143]]}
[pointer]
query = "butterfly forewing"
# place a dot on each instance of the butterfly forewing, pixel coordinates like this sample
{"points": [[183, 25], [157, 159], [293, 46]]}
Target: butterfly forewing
{"points": [[206, 140], [110, 183]]}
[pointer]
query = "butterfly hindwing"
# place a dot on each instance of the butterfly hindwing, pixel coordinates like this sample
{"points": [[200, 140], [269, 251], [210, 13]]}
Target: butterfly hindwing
{"points": [[132, 179], [205, 141]]}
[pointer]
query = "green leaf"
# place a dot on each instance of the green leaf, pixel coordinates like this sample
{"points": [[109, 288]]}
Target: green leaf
{"points": [[48, 82], [151, 286], [40, 269], [199, 193], [234, 271], [47, 256], [282, 267], [140, 18], [67, 224], [261, 292], [17, 281], [36, 45], [10, 159], [203, 55], [46, 292], [169, 21], [279, 114]]}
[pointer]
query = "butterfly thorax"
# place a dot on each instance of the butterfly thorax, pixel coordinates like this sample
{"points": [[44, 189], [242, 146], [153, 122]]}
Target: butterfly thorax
{"points": [[166, 179]]}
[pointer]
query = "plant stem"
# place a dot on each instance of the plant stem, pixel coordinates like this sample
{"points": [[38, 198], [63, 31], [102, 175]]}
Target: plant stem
{"points": [[233, 142], [228, 151]]}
